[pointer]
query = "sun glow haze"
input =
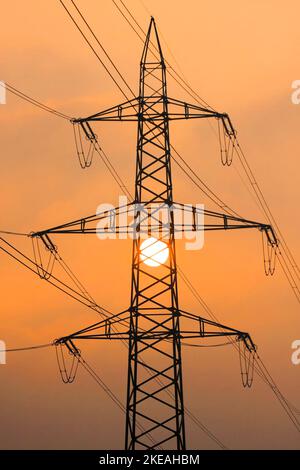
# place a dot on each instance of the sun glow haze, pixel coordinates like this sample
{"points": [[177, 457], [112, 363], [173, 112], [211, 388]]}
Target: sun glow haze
{"points": [[154, 252]]}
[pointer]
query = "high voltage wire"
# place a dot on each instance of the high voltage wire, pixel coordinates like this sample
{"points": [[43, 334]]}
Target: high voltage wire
{"points": [[39, 104], [269, 381], [265, 376], [254, 183], [107, 162], [6, 232], [93, 49], [107, 390], [199, 182], [24, 260], [195, 177], [262, 204], [102, 48], [114, 67], [104, 157], [204, 188], [125, 95], [224, 206], [114, 173], [288, 264], [88, 42], [169, 65], [27, 348], [86, 366], [90, 303], [60, 115], [212, 196], [266, 209], [33, 101]]}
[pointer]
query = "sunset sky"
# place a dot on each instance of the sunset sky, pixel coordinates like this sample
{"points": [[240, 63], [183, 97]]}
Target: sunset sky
{"points": [[241, 57]]}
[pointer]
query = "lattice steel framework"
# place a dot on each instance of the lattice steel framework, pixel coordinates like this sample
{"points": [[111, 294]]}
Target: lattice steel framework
{"points": [[154, 297], [151, 325]]}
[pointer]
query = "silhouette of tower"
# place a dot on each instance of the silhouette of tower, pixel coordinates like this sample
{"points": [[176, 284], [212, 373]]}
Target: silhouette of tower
{"points": [[151, 324]]}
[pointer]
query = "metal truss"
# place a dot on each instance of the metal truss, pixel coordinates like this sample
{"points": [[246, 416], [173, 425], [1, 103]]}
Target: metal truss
{"points": [[150, 218], [152, 324]]}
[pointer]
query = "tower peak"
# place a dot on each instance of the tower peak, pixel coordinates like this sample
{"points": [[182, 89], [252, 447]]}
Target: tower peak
{"points": [[152, 52]]}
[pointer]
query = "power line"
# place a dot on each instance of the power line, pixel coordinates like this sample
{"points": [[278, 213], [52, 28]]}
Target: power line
{"points": [[266, 376], [34, 102], [113, 171], [73, 2], [246, 167], [114, 2], [259, 368], [106, 389], [98, 149], [195, 178], [17, 255], [114, 67], [91, 303], [28, 348], [194, 418], [85, 365], [202, 185], [146, 69], [5, 232], [222, 204], [262, 204], [199, 182], [93, 49], [102, 48], [265, 206], [187, 88]]}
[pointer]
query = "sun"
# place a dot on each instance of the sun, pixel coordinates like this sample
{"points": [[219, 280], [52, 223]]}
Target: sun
{"points": [[154, 252]]}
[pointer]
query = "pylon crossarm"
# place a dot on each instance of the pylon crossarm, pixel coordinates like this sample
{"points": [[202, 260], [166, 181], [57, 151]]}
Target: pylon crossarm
{"points": [[126, 111], [109, 329], [106, 327], [177, 109], [208, 329], [90, 224], [204, 219], [156, 218]]}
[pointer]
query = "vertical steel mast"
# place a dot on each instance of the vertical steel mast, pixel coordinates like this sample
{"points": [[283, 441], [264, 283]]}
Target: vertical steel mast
{"points": [[150, 326], [154, 296]]}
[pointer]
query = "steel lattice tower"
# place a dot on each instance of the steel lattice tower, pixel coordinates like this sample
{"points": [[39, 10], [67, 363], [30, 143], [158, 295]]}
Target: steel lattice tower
{"points": [[154, 298], [151, 324]]}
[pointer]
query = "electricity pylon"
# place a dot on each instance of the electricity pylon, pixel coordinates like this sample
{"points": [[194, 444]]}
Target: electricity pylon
{"points": [[151, 325]]}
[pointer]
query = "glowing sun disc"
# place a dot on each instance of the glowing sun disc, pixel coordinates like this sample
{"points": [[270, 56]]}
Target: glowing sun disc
{"points": [[154, 252]]}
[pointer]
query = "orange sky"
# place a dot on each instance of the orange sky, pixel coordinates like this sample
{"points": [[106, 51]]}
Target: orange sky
{"points": [[242, 58]]}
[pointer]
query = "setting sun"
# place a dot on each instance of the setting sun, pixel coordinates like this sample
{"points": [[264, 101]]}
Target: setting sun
{"points": [[154, 252]]}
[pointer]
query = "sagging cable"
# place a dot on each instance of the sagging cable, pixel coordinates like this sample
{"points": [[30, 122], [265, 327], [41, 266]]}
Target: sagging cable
{"points": [[227, 137], [270, 249], [247, 355], [44, 267], [67, 372], [85, 153]]}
